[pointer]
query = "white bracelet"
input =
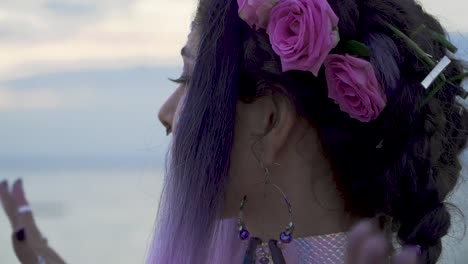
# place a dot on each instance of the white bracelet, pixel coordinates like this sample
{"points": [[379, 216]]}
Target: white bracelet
{"points": [[24, 209]]}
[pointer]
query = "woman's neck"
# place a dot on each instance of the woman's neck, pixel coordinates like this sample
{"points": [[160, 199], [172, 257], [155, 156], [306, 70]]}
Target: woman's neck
{"points": [[308, 182]]}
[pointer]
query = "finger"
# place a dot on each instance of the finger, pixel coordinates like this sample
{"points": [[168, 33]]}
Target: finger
{"points": [[408, 255], [25, 219], [22, 249], [356, 239], [36, 243], [8, 203], [375, 250]]}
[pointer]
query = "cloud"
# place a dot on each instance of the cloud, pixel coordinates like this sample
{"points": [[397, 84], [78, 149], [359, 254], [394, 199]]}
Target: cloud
{"points": [[452, 14], [73, 9], [11, 99], [88, 90], [116, 34], [83, 115], [43, 36]]}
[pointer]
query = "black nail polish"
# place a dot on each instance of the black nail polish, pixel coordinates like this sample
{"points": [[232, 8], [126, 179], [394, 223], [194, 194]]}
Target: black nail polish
{"points": [[20, 235]]}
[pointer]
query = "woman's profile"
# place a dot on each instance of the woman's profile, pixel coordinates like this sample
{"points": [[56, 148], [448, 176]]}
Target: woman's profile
{"points": [[304, 131]]}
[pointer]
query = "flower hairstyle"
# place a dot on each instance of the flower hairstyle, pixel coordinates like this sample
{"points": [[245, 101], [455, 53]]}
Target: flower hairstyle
{"points": [[303, 33], [402, 162]]}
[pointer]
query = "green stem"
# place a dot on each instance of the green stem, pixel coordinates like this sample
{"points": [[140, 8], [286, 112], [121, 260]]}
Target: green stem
{"points": [[417, 31], [439, 86], [423, 55], [438, 36], [459, 77], [432, 93], [444, 41]]}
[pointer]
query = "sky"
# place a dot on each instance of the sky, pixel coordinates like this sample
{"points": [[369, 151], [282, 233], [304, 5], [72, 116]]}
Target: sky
{"points": [[41, 36], [83, 79]]}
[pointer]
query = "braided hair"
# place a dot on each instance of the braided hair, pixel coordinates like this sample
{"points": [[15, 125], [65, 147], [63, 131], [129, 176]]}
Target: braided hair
{"points": [[405, 163]]}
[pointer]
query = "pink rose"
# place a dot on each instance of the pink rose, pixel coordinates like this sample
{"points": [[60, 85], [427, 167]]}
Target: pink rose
{"points": [[302, 33], [256, 13], [354, 87]]}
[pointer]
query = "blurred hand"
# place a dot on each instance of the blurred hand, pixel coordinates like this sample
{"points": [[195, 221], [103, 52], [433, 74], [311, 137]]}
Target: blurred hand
{"points": [[29, 245], [368, 245]]}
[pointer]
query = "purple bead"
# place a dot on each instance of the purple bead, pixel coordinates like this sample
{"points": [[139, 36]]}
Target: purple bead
{"points": [[285, 238], [244, 234]]}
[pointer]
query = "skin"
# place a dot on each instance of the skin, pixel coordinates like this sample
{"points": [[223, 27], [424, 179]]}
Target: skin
{"points": [[34, 244], [288, 147], [277, 139]]}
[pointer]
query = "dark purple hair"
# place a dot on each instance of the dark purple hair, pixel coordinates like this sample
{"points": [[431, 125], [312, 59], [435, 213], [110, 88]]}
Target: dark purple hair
{"points": [[407, 179], [193, 194]]}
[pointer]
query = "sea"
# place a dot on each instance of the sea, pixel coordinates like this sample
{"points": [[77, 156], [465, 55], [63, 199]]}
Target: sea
{"points": [[107, 215], [90, 217]]}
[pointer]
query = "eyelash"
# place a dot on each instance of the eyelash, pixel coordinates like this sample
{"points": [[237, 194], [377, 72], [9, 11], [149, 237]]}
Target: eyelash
{"points": [[181, 80]]}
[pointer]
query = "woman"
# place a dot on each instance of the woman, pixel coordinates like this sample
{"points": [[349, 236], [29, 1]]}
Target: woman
{"points": [[312, 115]]}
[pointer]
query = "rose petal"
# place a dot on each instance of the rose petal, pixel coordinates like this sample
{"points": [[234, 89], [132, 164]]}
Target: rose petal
{"points": [[256, 13], [352, 84], [314, 22]]}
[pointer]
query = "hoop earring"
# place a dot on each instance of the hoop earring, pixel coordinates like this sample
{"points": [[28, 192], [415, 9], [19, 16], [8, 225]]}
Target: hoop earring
{"points": [[285, 237], [275, 254]]}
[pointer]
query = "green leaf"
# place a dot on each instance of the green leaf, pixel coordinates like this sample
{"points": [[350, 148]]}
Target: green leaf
{"points": [[354, 47]]}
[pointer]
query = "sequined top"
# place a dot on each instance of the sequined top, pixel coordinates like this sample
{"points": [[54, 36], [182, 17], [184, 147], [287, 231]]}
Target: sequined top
{"points": [[324, 249]]}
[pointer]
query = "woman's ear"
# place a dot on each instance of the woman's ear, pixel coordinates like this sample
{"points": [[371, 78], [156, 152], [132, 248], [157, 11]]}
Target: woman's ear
{"points": [[265, 124], [282, 116]]}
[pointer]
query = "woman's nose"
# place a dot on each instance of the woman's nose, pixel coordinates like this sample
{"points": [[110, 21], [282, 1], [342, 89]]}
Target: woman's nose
{"points": [[168, 110]]}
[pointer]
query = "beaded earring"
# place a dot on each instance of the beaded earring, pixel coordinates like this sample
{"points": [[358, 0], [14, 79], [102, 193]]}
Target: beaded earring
{"points": [[285, 237], [275, 254]]}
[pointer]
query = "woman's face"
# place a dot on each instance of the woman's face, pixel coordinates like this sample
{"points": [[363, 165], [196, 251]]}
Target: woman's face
{"points": [[168, 114], [244, 167]]}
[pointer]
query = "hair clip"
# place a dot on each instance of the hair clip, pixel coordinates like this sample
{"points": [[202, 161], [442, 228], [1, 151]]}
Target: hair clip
{"points": [[437, 69], [434, 74], [462, 93]]}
